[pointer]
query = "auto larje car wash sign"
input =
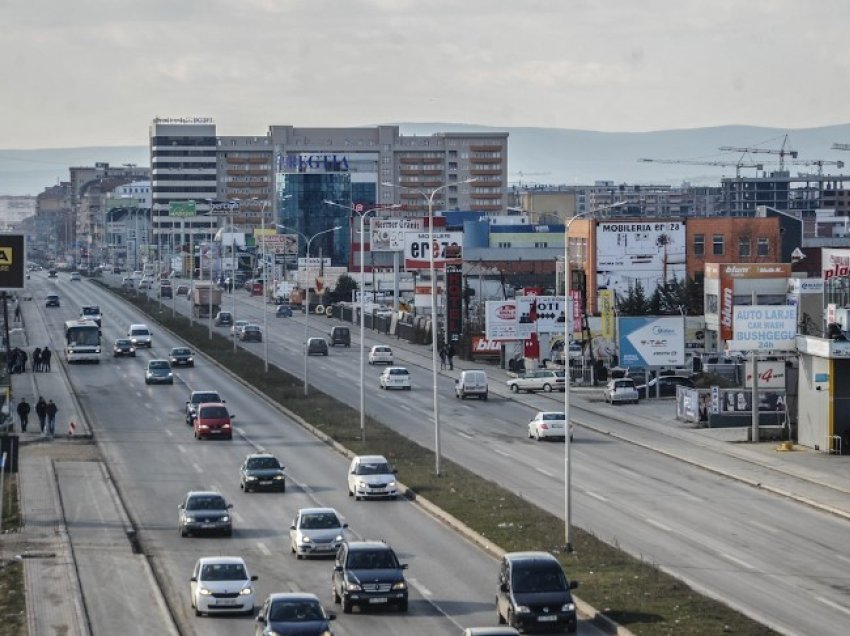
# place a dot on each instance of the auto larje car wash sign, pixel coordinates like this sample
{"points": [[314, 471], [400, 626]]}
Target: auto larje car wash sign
{"points": [[764, 328], [12, 261], [652, 341]]}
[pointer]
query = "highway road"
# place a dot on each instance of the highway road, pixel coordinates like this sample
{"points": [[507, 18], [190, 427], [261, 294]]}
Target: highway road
{"points": [[778, 561], [155, 460]]}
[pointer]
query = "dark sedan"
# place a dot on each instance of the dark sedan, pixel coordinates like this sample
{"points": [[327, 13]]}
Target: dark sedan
{"points": [[181, 356], [123, 347], [159, 372], [293, 613], [251, 333], [261, 471], [666, 384], [52, 300]]}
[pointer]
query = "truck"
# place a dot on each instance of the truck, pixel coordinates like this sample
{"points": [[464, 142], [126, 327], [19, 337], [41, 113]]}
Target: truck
{"points": [[205, 298]]}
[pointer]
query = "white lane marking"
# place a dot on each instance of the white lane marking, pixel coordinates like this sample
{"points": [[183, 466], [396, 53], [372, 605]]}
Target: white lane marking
{"points": [[658, 524], [766, 528], [262, 548], [501, 452], [169, 433], [595, 496], [405, 407], [197, 467], [466, 435], [743, 564], [543, 472], [182, 449], [833, 605], [422, 589], [843, 558], [693, 498], [628, 472]]}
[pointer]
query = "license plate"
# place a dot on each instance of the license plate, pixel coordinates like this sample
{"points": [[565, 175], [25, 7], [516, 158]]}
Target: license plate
{"points": [[265, 483], [215, 431], [547, 619], [226, 601], [378, 599], [207, 525]]}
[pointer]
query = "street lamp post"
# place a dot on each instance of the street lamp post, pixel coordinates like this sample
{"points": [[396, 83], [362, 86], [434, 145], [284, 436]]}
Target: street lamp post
{"points": [[265, 284], [362, 215], [567, 444], [429, 197]]}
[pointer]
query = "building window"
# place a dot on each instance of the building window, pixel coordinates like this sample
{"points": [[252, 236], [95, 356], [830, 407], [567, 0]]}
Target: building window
{"points": [[763, 246], [541, 244], [699, 245], [744, 247], [711, 303], [504, 245], [717, 245]]}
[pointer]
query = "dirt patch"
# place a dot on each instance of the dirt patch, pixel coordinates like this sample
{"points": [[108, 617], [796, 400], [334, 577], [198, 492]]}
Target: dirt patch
{"points": [[61, 450]]}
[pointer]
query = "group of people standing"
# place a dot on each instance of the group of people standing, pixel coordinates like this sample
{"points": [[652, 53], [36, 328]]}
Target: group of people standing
{"points": [[447, 355], [40, 360], [46, 412]]}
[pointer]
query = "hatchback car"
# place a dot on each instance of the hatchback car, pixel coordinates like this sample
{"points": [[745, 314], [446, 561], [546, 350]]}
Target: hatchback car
{"points": [[621, 390], [204, 511], [52, 300], [251, 333], [548, 425], [123, 347], [221, 585], [371, 476], [181, 357], [213, 420], [159, 372], [293, 613], [261, 471], [317, 347], [51, 273], [283, 311], [380, 354], [76, 276], [368, 574], [200, 397], [534, 593], [538, 380], [395, 378], [316, 531], [223, 319]]}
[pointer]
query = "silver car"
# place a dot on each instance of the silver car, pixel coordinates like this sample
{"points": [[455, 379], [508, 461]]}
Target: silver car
{"points": [[538, 380], [204, 511], [622, 390], [316, 531], [548, 425]]}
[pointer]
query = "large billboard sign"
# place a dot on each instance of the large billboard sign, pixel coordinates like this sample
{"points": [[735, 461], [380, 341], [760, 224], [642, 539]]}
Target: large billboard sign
{"points": [[277, 243], [454, 302], [652, 341], [387, 235], [540, 314], [500, 320], [649, 253], [764, 328], [835, 263], [728, 273], [417, 249], [12, 261]]}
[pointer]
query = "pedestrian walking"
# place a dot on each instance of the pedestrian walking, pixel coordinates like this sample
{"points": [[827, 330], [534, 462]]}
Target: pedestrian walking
{"points": [[36, 360], [24, 358], [442, 357], [24, 414], [17, 313], [51, 411], [16, 360], [45, 359], [450, 355], [41, 411]]}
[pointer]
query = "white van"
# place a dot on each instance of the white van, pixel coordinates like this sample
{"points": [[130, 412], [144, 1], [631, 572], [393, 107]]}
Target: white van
{"points": [[471, 382], [140, 336]]}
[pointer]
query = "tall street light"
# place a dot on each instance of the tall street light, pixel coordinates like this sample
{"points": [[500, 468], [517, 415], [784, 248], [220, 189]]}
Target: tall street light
{"points": [[363, 214], [429, 197], [265, 284], [568, 503], [307, 289]]}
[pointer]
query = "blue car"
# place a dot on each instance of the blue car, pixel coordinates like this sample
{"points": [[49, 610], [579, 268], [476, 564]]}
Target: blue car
{"points": [[293, 613], [284, 311]]}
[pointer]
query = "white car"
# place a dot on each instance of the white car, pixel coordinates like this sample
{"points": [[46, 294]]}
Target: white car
{"points": [[140, 335], [371, 476], [395, 378], [236, 329], [380, 354], [316, 531], [621, 390], [538, 380], [222, 585], [76, 276], [548, 425]]}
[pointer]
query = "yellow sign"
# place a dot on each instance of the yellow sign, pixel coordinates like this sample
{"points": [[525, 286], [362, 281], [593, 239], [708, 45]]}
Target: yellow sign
{"points": [[6, 255], [606, 310]]}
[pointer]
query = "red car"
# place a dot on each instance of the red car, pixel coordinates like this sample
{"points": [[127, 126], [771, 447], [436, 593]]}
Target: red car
{"points": [[213, 420]]}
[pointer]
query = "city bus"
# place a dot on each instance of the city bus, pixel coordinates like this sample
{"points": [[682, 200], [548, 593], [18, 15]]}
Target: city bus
{"points": [[82, 341]]}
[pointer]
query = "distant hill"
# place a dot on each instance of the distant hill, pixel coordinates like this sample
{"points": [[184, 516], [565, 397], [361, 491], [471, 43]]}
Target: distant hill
{"points": [[536, 155]]}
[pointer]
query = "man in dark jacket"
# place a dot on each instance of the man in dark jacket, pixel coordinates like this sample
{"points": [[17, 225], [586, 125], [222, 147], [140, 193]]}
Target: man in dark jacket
{"points": [[45, 359], [24, 414], [41, 411], [51, 417]]}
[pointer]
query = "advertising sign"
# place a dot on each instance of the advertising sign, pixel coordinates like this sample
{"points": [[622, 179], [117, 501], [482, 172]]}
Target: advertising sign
{"points": [[647, 341], [277, 243], [548, 310], [500, 320], [606, 311], [12, 261], [454, 302], [805, 286], [736, 401], [387, 235], [417, 249], [835, 263], [764, 328], [313, 261], [484, 348], [771, 375], [649, 253], [181, 208], [728, 273]]}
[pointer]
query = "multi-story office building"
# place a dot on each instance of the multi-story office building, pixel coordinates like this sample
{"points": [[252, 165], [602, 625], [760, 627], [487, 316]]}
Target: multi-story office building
{"points": [[802, 194], [245, 175]]}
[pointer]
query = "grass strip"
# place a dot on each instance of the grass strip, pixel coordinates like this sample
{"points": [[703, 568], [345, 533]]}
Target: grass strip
{"points": [[13, 618]]}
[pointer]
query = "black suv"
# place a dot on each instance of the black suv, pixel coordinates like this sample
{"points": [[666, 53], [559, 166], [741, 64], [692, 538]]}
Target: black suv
{"points": [[340, 336], [534, 593], [367, 573]]}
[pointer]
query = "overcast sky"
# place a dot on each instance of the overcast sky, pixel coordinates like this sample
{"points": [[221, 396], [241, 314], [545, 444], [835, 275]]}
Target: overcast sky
{"points": [[95, 72]]}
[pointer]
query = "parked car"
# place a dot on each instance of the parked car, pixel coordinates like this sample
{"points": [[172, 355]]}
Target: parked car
{"points": [[548, 425], [283, 311], [221, 585], [204, 511], [340, 336], [372, 561], [52, 300], [534, 592], [381, 354], [261, 471], [223, 319], [200, 397], [213, 420], [371, 476], [181, 356], [666, 384], [159, 372], [316, 532], [293, 613], [395, 378], [123, 347], [182, 290], [251, 333], [621, 390], [317, 347], [538, 380]]}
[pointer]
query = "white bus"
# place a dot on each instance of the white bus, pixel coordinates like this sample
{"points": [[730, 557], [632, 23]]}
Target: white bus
{"points": [[82, 341]]}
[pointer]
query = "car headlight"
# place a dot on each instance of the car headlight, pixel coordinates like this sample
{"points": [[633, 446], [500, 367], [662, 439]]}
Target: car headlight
{"points": [[523, 609], [568, 607], [170, 374], [352, 587], [225, 518], [278, 477], [363, 484], [188, 519], [401, 585], [391, 484], [327, 632], [305, 539], [190, 359], [251, 478], [97, 350], [338, 537], [247, 590], [204, 591]]}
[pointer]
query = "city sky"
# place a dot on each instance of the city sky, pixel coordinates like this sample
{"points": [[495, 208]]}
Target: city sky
{"points": [[96, 72]]}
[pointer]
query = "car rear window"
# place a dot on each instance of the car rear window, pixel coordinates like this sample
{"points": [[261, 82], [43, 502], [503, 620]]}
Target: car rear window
{"points": [[398, 372], [200, 398], [213, 412]]}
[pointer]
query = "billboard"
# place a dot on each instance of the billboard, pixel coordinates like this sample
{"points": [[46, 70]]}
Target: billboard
{"points": [[645, 252], [500, 320], [652, 341], [540, 314], [835, 263], [12, 261], [417, 249], [764, 328], [387, 235], [728, 273], [277, 243], [454, 302]]}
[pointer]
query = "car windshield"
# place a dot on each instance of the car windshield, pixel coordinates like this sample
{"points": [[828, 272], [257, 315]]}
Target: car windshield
{"points": [[206, 502], [180, 352], [260, 463], [224, 572], [295, 612], [378, 468], [213, 412], [550, 579], [319, 521], [251, 328], [139, 332], [372, 560], [158, 364], [200, 398], [122, 343]]}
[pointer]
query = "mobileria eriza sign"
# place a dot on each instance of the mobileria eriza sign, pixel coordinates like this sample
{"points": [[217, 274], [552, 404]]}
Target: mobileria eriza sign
{"points": [[312, 163]]}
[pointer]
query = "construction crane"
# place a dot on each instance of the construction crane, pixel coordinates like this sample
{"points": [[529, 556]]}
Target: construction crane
{"points": [[772, 151], [723, 164], [820, 163]]}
